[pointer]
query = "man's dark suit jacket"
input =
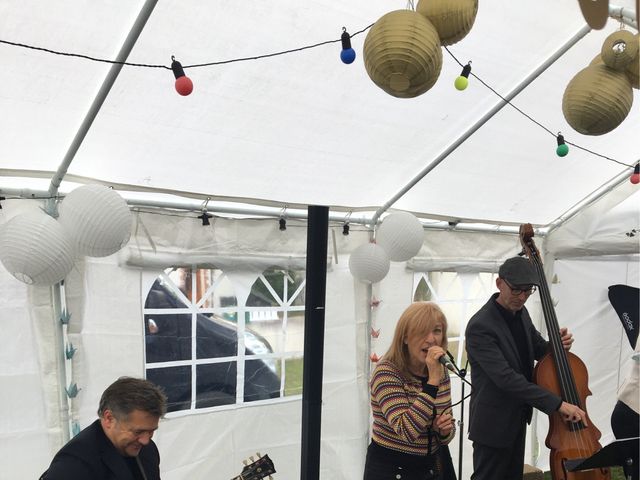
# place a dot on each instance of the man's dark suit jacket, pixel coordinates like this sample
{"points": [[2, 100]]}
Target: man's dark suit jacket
{"points": [[90, 455], [502, 397]]}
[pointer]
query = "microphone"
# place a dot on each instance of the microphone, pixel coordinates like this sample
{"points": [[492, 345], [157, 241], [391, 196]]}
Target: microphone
{"points": [[444, 360]]}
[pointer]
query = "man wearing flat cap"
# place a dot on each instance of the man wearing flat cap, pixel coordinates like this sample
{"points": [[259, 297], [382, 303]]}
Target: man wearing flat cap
{"points": [[502, 345]]}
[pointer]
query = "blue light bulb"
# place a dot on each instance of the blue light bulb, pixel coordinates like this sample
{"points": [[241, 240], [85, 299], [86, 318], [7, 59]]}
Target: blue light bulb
{"points": [[348, 54]]}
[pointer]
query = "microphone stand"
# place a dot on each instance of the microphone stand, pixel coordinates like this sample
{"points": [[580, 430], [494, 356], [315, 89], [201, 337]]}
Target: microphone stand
{"points": [[461, 373]]}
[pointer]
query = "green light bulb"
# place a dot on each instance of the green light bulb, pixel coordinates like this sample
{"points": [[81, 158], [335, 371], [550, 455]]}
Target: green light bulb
{"points": [[461, 83]]}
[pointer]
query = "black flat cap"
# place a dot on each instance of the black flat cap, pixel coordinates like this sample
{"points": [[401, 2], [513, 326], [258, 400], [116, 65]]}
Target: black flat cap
{"points": [[518, 271]]}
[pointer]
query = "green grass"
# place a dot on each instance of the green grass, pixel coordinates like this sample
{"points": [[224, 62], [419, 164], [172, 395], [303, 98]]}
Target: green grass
{"points": [[293, 379], [616, 474], [293, 376]]}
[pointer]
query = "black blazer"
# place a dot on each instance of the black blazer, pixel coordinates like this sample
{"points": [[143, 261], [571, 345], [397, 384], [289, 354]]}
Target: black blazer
{"points": [[502, 397], [90, 455]]}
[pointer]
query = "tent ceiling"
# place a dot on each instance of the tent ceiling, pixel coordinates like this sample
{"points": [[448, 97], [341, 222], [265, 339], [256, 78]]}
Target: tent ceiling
{"points": [[303, 128]]}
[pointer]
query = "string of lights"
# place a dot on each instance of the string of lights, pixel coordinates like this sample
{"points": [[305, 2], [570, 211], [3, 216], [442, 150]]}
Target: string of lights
{"points": [[558, 136], [184, 86]]}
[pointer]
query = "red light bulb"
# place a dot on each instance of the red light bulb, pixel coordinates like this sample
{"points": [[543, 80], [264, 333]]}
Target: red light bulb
{"points": [[635, 176], [184, 85]]}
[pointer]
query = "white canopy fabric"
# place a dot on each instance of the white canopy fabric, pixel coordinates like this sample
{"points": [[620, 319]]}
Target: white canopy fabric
{"points": [[303, 128], [286, 132]]}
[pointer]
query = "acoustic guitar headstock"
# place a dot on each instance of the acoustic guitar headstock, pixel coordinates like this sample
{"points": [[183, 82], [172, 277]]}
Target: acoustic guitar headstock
{"points": [[258, 469]]}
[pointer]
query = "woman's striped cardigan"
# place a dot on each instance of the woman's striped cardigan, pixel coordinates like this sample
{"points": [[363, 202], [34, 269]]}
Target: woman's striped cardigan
{"points": [[403, 414]]}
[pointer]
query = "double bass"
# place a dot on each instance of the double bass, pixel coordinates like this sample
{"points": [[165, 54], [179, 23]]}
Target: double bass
{"points": [[564, 374]]}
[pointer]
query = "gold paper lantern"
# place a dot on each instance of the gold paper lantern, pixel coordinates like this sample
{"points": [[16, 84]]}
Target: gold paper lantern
{"points": [[619, 49], [402, 54], [597, 100], [596, 60], [453, 19], [633, 69]]}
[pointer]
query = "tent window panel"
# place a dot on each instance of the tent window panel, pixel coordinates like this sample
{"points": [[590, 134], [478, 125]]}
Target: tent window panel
{"points": [[219, 290], [215, 337], [293, 376], [167, 337], [165, 294], [176, 384], [453, 310], [274, 332], [422, 292], [202, 336], [216, 384], [261, 380], [277, 288], [291, 382]]}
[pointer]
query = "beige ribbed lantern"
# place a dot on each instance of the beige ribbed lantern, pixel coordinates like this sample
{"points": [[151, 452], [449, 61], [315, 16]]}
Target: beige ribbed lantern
{"points": [[402, 54], [453, 19], [633, 69], [597, 100], [619, 49]]}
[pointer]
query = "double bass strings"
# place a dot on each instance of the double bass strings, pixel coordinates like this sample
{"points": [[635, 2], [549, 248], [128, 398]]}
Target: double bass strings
{"points": [[565, 376]]}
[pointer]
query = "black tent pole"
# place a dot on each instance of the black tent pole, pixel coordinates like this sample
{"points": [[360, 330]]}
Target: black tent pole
{"points": [[315, 292]]}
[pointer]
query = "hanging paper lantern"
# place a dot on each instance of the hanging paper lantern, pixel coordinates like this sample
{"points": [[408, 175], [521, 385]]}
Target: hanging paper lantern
{"points": [[452, 19], [369, 263], [401, 235], [619, 49], [402, 54], [35, 248], [97, 219], [633, 69], [596, 60], [597, 100]]}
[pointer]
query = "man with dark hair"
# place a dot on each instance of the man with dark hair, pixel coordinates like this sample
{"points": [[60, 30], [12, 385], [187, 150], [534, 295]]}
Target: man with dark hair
{"points": [[502, 345], [118, 445]]}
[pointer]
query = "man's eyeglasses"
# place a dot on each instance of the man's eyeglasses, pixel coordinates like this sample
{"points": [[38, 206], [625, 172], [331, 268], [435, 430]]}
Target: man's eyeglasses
{"points": [[518, 291]]}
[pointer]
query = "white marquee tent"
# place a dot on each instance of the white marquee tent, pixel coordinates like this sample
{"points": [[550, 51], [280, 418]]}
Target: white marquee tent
{"points": [[260, 139]]}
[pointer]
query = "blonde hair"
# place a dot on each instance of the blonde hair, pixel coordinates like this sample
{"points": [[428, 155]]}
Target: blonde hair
{"points": [[419, 318]]}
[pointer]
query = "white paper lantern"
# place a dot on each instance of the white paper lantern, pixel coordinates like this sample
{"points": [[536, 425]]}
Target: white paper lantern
{"points": [[401, 235], [35, 248], [97, 219], [369, 263]]}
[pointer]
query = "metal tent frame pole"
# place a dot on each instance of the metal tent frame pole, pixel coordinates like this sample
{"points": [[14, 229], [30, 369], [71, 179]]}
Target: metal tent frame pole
{"points": [[101, 96], [471, 130]]}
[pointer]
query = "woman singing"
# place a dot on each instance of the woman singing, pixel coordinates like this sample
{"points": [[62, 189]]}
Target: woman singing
{"points": [[411, 400]]}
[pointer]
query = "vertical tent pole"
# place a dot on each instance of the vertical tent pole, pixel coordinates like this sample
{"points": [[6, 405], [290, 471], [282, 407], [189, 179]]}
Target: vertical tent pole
{"points": [[315, 290]]}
